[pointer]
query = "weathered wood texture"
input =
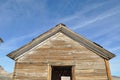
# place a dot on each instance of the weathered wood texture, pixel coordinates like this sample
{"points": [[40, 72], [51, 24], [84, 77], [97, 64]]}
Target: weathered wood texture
{"points": [[60, 50], [108, 69]]}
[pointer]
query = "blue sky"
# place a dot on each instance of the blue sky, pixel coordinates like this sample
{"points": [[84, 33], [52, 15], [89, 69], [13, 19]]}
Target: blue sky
{"points": [[23, 20]]}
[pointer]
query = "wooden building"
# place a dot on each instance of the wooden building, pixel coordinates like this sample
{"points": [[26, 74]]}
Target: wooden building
{"points": [[61, 54]]}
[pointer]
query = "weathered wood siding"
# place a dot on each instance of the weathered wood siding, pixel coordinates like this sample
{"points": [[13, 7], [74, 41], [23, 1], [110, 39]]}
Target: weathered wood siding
{"points": [[60, 50]]}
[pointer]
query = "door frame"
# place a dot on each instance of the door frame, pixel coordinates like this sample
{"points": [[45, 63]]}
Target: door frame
{"points": [[50, 71]]}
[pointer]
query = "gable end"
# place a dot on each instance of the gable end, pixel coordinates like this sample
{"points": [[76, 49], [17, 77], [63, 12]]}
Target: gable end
{"points": [[62, 28]]}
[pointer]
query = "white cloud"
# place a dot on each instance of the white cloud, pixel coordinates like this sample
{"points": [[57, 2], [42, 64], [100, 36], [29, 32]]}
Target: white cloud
{"points": [[85, 9], [107, 32], [81, 12], [12, 44], [115, 65], [81, 20], [12, 10], [115, 49], [102, 16]]}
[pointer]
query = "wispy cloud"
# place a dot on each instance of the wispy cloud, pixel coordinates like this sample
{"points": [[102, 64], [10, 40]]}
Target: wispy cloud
{"points": [[12, 44], [81, 12], [108, 35], [115, 68], [81, 20], [20, 9], [108, 32], [115, 49], [105, 15]]}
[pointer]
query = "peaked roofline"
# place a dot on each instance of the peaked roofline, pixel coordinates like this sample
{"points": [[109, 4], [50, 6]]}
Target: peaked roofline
{"points": [[62, 28]]}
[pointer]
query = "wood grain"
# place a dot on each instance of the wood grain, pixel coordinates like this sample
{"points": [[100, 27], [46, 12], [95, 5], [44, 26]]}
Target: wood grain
{"points": [[60, 50], [108, 69]]}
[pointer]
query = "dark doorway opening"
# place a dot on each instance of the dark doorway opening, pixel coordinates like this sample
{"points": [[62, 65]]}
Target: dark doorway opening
{"points": [[61, 73]]}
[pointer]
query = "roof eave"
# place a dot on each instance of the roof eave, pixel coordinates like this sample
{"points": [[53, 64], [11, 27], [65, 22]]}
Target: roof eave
{"points": [[61, 27]]}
